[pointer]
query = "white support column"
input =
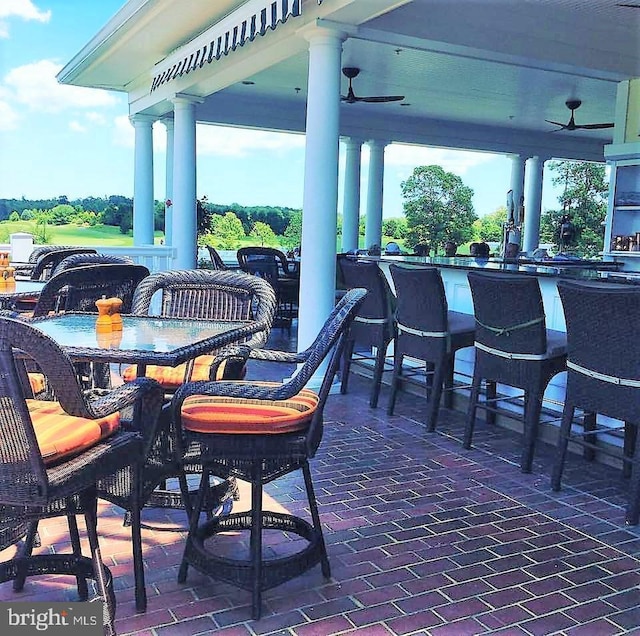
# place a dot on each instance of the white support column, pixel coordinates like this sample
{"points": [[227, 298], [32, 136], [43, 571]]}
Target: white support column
{"points": [[185, 227], [533, 203], [517, 183], [351, 201], [320, 195], [373, 228], [143, 180], [168, 198]]}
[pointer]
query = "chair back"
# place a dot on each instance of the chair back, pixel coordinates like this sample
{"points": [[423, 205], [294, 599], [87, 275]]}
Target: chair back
{"points": [[601, 321], [48, 261], [209, 294], [23, 477], [88, 258], [77, 289], [261, 255], [509, 312], [421, 309], [375, 319], [216, 259]]}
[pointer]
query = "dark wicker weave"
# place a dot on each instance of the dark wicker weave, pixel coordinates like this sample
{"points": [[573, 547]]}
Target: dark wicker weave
{"points": [[510, 319], [261, 458], [24, 270], [602, 339], [47, 263], [197, 293], [272, 265], [374, 327], [33, 491], [78, 289], [427, 331], [83, 259], [216, 259]]}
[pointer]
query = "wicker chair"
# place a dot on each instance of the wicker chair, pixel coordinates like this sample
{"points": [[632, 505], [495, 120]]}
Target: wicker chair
{"points": [[374, 326], [259, 432], [602, 375], [24, 270], [77, 289], [272, 265], [53, 454], [83, 259], [427, 331], [216, 259], [47, 263], [514, 348], [207, 294]]}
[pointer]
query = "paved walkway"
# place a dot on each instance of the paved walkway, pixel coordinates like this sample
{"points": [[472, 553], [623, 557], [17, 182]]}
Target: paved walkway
{"points": [[423, 538]]}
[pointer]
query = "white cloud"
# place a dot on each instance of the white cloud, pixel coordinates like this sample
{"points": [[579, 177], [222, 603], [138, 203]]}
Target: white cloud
{"points": [[24, 9], [240, 142], [35, 86], [8, 117], [96, 118], [456, 161], [76, 126]]}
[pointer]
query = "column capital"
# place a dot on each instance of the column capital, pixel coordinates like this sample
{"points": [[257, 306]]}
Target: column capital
{"points": [[353, 142], [184, 98], [316, 34], [140, 119], [378, 143], [168, 121]]}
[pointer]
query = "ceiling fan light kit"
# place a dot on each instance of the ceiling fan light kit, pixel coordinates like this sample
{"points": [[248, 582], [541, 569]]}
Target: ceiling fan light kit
{"points": [[573, 105], [351, 72]]}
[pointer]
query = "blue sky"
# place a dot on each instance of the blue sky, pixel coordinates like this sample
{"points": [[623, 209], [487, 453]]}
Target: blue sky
{"points": [[63, 140]]}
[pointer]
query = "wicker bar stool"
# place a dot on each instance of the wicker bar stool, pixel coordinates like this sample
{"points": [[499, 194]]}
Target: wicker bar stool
{"points": [[512, 347], [427, 331], [259, 432], [374, 327], [602, 376]]}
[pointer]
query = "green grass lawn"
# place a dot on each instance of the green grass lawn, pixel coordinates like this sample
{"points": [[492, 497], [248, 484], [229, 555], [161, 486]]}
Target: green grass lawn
{"points": [[72, 234]]}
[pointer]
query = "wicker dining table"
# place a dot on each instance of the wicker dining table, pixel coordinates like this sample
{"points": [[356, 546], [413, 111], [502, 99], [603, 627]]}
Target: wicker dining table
{"points": [[20, 290]]}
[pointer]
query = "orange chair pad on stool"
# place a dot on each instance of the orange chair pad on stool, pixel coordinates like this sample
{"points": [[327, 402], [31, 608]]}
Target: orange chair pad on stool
{"points": [[172, 377], [219, 414], [61, 436]]}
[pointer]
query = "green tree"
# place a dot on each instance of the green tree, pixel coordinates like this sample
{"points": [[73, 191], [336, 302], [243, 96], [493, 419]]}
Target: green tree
{"points": [[438, 207], [395, 228], [292, 236], [226, 231], [263, 233], [14, 216], [584, 200], [489, 227]]}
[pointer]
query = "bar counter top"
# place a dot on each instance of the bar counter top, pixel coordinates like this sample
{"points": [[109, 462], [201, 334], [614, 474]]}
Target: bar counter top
{"points": [[593, 269]]}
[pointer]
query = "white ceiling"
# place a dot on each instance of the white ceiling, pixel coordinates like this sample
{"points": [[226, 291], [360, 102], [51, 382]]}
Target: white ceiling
{"points": [[482, 74]]}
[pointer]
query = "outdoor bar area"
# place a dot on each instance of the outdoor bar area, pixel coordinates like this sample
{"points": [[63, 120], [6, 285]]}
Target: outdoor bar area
{"points": [[336, 443]]}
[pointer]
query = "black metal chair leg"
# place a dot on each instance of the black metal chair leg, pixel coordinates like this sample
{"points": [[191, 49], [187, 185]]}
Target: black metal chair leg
{"points": [[315, 516], [491, 393], [471, 411], [563, 442], [532, 409], [381, 356], [433, 406], [589, 424], [633, 507], [136, 539], [256, 539], [346, 366], [630, 437], [395, 381]]}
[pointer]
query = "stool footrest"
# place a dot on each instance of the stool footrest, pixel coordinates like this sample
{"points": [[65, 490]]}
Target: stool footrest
{"points": [[240, 572]]}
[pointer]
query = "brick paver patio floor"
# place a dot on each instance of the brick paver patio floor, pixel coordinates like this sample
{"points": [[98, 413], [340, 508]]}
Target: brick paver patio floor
{"points": [[423, 538]]}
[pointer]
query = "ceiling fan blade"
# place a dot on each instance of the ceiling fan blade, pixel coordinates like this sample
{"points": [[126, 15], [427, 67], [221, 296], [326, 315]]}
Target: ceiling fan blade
{"points": [[378, 99], [595, 126], [556, 123]]}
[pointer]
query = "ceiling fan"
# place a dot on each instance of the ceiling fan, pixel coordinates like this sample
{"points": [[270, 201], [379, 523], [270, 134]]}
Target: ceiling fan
{"points": [[573, 105], [352, 72]]}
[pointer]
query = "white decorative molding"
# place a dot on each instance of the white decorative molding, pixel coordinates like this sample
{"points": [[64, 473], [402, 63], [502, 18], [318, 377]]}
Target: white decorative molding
{"points": [[249, 21]]}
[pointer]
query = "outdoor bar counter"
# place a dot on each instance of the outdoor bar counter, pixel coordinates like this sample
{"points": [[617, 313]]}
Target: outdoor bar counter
{"points": [[454, 274]]}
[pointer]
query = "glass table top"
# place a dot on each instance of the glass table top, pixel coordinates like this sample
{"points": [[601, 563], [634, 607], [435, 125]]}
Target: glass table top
{"points": [[149, 339]]}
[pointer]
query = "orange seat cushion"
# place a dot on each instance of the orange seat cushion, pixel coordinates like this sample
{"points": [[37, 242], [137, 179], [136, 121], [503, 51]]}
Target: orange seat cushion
{"points": [[38, 382], [172, 377], [61, 436], [216, 414]]}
